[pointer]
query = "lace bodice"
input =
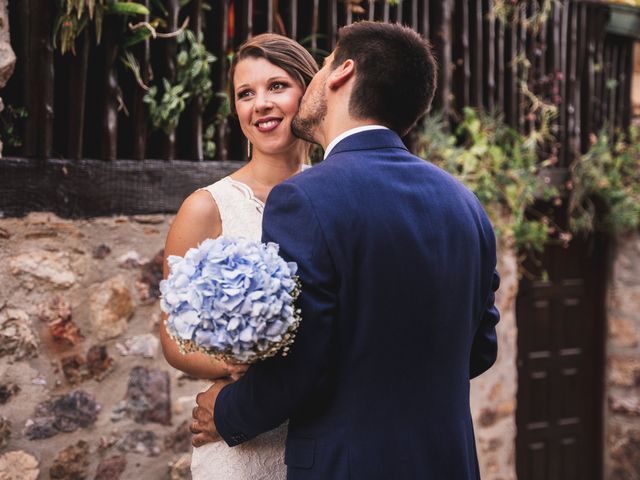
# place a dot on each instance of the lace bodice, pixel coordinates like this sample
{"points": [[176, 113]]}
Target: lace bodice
{"points": [[261, 458], [240, 210]]}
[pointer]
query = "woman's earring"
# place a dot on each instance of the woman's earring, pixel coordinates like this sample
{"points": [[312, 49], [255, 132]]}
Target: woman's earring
{"points": [[248, 150]]}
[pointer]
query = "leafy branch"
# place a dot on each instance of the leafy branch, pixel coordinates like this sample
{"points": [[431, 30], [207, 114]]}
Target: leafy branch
{"points": [[500, 166], [193, 80], [605, 185], [75, 15]]}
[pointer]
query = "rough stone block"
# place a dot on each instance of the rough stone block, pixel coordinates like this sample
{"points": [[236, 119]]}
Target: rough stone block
{"points": [[72, 463], [51, 267], [19, 465], [111, 307]]}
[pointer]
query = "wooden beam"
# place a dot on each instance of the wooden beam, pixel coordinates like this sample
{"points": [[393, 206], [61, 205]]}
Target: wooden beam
{"points": [[87, 188]]}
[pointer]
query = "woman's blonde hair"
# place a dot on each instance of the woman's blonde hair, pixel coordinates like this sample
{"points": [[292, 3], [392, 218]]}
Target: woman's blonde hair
{"points": [[279, 50]]}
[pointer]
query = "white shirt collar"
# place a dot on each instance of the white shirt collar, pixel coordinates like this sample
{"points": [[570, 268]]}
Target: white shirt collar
{"points": [[350, 132]]}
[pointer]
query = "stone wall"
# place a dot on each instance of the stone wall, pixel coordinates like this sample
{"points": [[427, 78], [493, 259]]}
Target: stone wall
{"points": [[84, 389], [493, 394], [622, 409], [7, 56], [83, 384], [635, 83]]}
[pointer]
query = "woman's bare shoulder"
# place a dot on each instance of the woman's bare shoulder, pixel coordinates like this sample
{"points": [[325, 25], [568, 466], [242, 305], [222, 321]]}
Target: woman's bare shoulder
{"points": [[199, 205], [197, 220]]}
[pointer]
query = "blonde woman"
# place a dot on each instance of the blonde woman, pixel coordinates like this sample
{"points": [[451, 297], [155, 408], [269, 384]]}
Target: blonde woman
{"points": [[268, 77]]}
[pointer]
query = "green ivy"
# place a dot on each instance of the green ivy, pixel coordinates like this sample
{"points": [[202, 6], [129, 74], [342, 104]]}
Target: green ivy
{"points": [[605, 185], [9, 116], [193, 79], [500, 166], [75, 15]]}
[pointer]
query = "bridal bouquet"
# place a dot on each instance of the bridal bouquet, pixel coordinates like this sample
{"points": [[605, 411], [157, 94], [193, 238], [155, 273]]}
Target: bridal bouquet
{"points": [[231, 298]]}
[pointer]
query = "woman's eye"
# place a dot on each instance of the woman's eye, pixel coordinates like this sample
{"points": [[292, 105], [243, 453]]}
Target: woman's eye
{"points": [[278, 85], [243, 94]]}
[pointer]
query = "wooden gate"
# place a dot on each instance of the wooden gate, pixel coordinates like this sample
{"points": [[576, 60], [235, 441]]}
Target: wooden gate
{"points": [[560, 365]]}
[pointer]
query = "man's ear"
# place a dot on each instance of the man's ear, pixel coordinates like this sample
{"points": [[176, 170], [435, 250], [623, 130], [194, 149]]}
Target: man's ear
{"points": [[341, 74]]}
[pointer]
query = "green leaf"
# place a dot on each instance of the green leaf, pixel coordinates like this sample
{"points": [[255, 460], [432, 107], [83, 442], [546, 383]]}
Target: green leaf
{"points": [[127, 8]]}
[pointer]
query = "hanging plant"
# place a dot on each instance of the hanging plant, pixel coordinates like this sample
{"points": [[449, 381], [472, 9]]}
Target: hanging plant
{"points": [[605, 185], [75, 15], [501, 167], [193, 79]]}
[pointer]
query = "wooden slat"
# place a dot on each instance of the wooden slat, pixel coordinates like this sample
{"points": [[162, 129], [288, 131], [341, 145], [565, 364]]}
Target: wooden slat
{"points": [[588, 97], [77, 94], [109, 146], [489, 41], [521, 50], [500, 65], [442, 44], [293, 18], [270, 15], [581, 80], [385, 11], [598, 83], [613, 92], [248, 17], [414, 18], [462, 16], [315, 19], [40, 78], [623, 91], [511, 75], [561, 45], [372, 10], [170, 52], [425, 25], [222, 131], [332, 23], [539, 53], [572, 83], [604, 91], [140, 113], [476, 54], [85, 188], [25, 52], [399, 11], [625, 116], [195, 109]]}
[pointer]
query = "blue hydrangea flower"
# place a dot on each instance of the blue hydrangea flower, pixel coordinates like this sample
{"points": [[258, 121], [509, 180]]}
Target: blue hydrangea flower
{"points": [[232, 298]]}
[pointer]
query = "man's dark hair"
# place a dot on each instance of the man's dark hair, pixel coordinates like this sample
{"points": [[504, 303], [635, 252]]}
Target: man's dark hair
{"points": [[395, 73]]}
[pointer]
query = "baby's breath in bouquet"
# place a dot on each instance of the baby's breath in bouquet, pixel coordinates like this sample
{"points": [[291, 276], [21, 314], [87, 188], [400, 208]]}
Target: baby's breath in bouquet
{"points": [[231, 298]]}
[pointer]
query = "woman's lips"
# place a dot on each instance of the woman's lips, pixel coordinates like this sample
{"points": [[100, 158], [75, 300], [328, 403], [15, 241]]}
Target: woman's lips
{"points": [[268, 125]]}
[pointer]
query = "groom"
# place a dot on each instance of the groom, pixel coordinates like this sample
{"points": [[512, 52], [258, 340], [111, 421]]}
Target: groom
{"points": [[397, 263]]}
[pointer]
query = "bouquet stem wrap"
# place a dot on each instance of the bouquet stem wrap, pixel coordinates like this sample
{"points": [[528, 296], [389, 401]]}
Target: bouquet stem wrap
{"points": [[231, 298]]}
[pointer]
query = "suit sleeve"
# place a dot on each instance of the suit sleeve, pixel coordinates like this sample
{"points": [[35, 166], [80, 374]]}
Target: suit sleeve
{"points": [[484, 349], [272, 390]]}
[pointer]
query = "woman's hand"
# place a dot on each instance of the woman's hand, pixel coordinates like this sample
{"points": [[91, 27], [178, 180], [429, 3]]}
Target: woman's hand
{"points": [[236, 370]]}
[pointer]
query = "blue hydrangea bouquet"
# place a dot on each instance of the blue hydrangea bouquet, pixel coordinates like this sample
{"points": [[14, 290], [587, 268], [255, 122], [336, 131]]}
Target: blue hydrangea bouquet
{"points": [[231, 298]]}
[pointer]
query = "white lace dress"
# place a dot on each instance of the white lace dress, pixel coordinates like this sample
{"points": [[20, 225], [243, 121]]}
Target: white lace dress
{"points": [[261, 458]]}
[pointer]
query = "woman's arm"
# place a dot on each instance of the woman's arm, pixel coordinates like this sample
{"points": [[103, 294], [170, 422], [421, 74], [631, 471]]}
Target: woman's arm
{"points": [[197, 220]]}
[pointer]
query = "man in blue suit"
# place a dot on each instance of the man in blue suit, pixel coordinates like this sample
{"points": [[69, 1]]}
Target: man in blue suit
{"points": [[397, 263]]}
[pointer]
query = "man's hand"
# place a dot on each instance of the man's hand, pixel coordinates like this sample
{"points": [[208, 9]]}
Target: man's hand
{"points": [[203, 428]]}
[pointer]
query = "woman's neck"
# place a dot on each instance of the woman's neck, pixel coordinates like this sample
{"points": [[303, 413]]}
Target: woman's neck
{"points": [[263, 172]]}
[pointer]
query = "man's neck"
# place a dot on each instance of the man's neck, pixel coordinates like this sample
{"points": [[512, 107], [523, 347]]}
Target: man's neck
{"points": [[332, 130]]}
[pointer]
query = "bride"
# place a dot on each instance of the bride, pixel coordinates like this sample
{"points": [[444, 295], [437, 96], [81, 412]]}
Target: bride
{"points": [[267, 79]]}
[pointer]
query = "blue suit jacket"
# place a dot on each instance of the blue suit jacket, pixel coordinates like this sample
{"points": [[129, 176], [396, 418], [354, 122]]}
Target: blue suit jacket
{"points": [[397, 262]]}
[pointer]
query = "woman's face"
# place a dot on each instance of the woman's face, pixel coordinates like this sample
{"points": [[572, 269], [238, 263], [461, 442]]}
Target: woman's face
{"points": [[266, 100]]}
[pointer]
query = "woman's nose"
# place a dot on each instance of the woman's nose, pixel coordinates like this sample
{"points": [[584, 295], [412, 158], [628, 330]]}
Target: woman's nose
{"points": [[262, 101]]}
